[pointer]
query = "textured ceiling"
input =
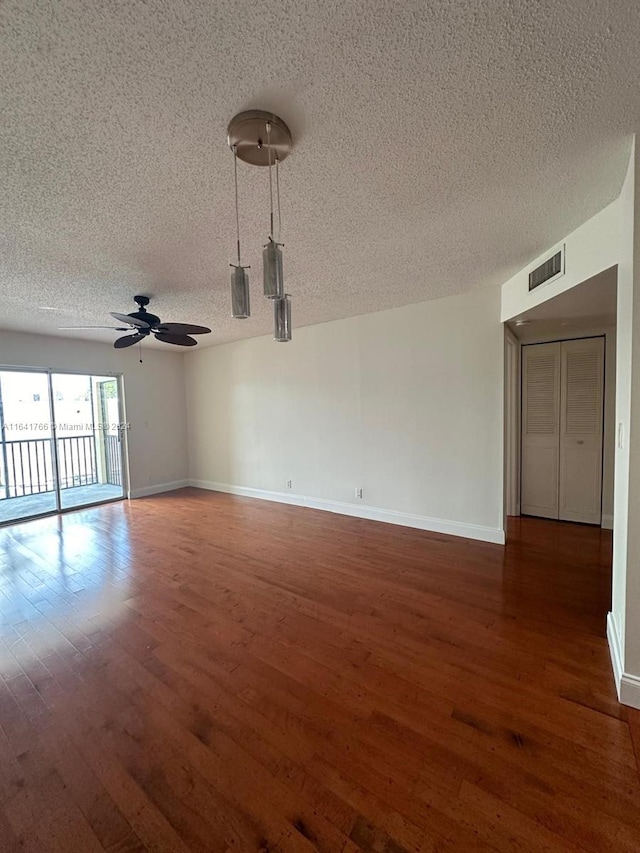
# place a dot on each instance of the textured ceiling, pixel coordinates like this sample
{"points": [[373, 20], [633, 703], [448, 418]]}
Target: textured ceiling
{"points": [[439, 147]]}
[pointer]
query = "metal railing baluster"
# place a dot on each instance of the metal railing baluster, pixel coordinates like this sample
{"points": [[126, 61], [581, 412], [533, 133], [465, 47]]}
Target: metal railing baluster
{"points": [[29, 464]]}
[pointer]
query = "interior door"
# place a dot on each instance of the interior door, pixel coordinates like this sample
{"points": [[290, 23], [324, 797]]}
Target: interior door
{"points": [[540, 429], [581, 430]]}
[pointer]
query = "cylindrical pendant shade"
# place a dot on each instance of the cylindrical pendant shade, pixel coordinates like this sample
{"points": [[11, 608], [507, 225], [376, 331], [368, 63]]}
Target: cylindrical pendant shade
{"points": [[240, 307], [282, 319], [273, 279]]}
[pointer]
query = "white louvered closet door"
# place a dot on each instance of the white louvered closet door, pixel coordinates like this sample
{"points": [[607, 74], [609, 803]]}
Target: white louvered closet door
{"points": [[540, 430], [581, 428]]}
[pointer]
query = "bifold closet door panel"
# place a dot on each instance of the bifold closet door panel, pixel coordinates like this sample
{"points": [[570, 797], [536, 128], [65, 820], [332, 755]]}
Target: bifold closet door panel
{"points": [[540, 429], [581, 430]]}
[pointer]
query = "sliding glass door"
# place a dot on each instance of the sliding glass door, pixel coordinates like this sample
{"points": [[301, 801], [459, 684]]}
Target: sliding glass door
{"points": [[28, 465], [86, 413], [61, 443]]}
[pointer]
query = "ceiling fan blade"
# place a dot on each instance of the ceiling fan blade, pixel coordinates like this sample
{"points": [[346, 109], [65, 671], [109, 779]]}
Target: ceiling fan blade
{"points": [[182, 329], [130, 321], [128, 341], [178, 340], [113, 328]]}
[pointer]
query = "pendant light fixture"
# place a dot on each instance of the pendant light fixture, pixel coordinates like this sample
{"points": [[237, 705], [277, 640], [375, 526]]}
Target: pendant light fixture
{"points": [[272, 276], [282, 319], [272, 266], [240, 301], [262, 139]]}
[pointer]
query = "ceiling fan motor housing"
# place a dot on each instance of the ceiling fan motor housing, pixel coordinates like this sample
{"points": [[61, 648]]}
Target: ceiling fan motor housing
{"points": [[143, 314], [151, 319]]}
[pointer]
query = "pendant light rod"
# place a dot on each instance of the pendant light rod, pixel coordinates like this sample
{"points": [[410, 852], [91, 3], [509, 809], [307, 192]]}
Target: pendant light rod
{"points": [[278, 199], [235, 175], [270, 178]]}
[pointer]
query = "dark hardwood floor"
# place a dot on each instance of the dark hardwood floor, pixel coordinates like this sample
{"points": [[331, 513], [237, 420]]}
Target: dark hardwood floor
{"points": [[197, 671]]}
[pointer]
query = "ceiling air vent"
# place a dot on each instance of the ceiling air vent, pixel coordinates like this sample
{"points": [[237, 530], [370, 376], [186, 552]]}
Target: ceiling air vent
{"points": [[552, 268]]}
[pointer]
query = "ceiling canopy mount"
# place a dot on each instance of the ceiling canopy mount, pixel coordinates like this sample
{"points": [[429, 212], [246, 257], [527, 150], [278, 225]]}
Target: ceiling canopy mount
{"points": [[246, 136]]}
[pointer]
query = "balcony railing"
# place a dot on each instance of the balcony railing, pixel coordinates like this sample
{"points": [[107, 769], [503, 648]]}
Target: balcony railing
{"points": [[77, 464], [113, 459], [29, 469]]}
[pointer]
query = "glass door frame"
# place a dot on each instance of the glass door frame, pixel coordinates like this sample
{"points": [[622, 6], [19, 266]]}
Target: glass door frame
{"points": [[49, 372]]}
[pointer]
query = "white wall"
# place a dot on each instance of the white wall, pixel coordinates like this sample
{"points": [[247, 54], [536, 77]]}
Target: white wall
{"points": [[612, 238], [406, 404], [631, 308], [617, 624], [512, 426], [154, 398]]}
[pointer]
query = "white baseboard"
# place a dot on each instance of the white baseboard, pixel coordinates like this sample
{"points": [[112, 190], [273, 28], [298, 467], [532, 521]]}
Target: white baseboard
{"points": [[630, 690], [158, 488], [421, 522], [627, 685], [607, 522]]}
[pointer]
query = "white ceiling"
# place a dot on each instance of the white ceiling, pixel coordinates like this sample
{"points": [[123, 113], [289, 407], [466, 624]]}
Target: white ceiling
{"points": [[439, 147]]}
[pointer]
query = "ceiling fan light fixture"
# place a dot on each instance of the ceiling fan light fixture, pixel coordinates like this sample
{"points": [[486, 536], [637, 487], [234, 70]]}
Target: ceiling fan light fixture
{"points": [[282, 319]]}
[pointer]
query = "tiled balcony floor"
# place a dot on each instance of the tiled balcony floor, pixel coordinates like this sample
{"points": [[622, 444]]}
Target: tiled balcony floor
{"points": [[24, 507]]}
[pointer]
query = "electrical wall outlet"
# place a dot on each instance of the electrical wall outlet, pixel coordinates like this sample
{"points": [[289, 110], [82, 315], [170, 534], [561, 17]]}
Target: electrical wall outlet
{"points": [[358, 493], [289, 484]]}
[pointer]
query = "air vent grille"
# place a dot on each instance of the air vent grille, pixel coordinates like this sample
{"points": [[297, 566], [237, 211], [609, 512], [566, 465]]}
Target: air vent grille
{"points": [[549, 269]]}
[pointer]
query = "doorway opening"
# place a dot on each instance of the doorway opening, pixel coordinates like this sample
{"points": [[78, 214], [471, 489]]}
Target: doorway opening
{"points": [[560, 394], [61, 442]]}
